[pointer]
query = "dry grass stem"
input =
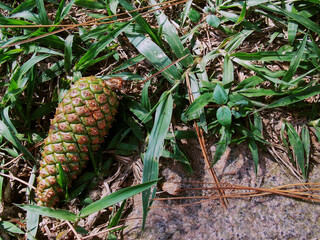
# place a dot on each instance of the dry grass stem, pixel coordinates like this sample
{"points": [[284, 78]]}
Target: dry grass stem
{"points": [[73, 230], [201, 139], [17, 179], [104, 231], [88, 23]]}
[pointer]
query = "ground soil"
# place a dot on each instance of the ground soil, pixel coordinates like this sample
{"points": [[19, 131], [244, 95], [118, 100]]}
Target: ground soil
{"points": [[266, 217]]}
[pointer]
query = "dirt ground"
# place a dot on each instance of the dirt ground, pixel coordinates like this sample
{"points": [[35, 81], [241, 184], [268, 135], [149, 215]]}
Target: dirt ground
{"points": [[266, 217]]}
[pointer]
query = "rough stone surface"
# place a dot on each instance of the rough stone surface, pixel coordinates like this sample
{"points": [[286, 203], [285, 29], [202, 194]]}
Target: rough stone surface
{"points": [[266, 217]]}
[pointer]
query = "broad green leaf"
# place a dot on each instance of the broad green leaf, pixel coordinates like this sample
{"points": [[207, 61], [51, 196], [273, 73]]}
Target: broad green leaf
{"points": [[315, 48], [255, 135], [136, 129], [199, 103], [26, 15], [230, 15], [10, 55], [213, 20], [114, 198], [10, 21], [96, 60], [62, 12], [263, 72], [285, 142], [258, 92], [155, 146], [17, 82], [44, 110], [49, 212], [180, 156], [224, 116], [292, 31], [220, 95], [10, 227]]}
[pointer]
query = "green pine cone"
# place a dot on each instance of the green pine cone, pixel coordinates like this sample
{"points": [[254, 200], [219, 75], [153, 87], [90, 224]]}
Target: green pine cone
{"points": [[81, 122]]}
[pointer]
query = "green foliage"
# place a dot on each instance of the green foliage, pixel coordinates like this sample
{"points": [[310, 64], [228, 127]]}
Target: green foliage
{"points": [[36, 73]]}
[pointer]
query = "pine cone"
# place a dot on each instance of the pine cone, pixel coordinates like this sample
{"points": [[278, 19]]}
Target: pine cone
{"points": [[81, 122]]}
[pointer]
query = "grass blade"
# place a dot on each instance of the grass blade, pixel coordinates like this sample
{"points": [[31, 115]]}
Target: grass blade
{"points": [[43, 16], [114, 198], [155, 147], [255, 154], [227, 77], [8, 131], [68, 53], [91, 4], [269, 56], [115, 220], [96, 48], [185, 12], [171, 36], [296, 97], [10, 227], [49, 212], [142, 22], [298, 148], [297, 17], [223, 143], [32, 218], [294, 64], [236, 40], [305, 137], [154, 54], [129, 63]]}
